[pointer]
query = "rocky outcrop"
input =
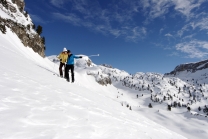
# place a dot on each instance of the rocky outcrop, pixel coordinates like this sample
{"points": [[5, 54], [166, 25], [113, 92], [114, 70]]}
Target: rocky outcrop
{"points": [[20, 4], [89, 62], [104, 81], [32, 40], [106, 65], [12, 8], [191, 67]]}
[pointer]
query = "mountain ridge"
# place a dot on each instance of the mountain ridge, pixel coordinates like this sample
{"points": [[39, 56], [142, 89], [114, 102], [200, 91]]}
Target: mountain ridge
{"points": [[190, 67]]}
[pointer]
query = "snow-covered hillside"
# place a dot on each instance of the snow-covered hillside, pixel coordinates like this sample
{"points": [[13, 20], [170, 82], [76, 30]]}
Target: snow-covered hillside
{"points": [[169, 96], [177, 101], [186, 89], [104, 102], [36, 104]]}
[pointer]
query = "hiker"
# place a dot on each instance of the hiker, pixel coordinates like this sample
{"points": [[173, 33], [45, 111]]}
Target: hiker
{"points": [[70, 65], [63, 58]]}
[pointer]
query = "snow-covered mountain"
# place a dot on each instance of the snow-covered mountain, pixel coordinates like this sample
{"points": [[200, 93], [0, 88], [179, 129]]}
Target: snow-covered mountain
{"points": [[179, 98], [104, 102], [187, 90], [34, 103], [190, 67]]}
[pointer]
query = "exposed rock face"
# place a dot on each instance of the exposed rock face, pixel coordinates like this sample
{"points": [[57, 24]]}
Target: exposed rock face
{"points": [[101, 79], [32, 40], [104, 81], [20, 4], [191, 67], [12, 8], [106, 65], [89, 62]]}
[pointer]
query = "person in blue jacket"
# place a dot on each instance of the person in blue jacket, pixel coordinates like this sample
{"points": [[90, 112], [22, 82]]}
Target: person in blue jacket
{"points": [[70, 65]]}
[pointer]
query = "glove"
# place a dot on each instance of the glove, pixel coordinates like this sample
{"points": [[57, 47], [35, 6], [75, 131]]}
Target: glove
{"points": [[80, 57]]}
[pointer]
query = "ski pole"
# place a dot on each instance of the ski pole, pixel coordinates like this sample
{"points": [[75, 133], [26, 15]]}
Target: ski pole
{"points": [[94, 55], [54, 68]]}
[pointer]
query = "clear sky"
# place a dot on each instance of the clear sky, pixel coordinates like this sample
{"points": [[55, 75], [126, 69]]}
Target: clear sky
{"points": [[131, 35]]}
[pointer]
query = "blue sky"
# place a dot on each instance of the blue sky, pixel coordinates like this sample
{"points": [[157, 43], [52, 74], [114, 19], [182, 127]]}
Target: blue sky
{"points": [[131, 35]]}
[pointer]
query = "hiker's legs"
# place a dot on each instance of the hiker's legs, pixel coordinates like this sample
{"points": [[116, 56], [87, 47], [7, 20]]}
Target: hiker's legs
{"points": [[72, 72], [67, 72], [60, 69]]}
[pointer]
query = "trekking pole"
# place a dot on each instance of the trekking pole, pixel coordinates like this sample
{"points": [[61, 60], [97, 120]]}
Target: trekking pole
{"points": [[54, 68], [94, 55]]}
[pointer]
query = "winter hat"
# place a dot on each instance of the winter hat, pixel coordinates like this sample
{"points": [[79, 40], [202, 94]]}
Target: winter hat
{"points": [[68, 51], [64, 50]]}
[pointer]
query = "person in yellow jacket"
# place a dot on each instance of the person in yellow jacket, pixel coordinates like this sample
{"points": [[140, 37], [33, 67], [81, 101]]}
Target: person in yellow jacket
{"points": [[63, 56]]}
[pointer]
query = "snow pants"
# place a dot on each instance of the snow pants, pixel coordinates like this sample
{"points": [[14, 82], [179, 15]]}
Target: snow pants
{"points": [[60, 69], [69, 67]]}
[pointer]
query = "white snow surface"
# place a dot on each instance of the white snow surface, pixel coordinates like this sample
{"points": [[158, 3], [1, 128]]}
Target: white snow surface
{"points": [[36, 104]]}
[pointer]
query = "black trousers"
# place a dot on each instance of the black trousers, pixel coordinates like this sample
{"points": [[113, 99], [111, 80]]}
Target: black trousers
{"points": [[60, 68], [69, 67]]}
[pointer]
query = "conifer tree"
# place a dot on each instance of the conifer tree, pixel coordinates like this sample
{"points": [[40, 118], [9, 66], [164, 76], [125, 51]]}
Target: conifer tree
{"points": [[26, 14], [150, 105], [164, 98], [179, 104], [188, 108], [199, 108], [175, 104], [39, 29], [169, 107], [43, 40], [21, 9], [28, 27], [3, 28]]}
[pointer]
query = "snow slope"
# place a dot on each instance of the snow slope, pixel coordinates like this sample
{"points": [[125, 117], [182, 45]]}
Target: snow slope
{"points": [[36, 104], [184, 90]]}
